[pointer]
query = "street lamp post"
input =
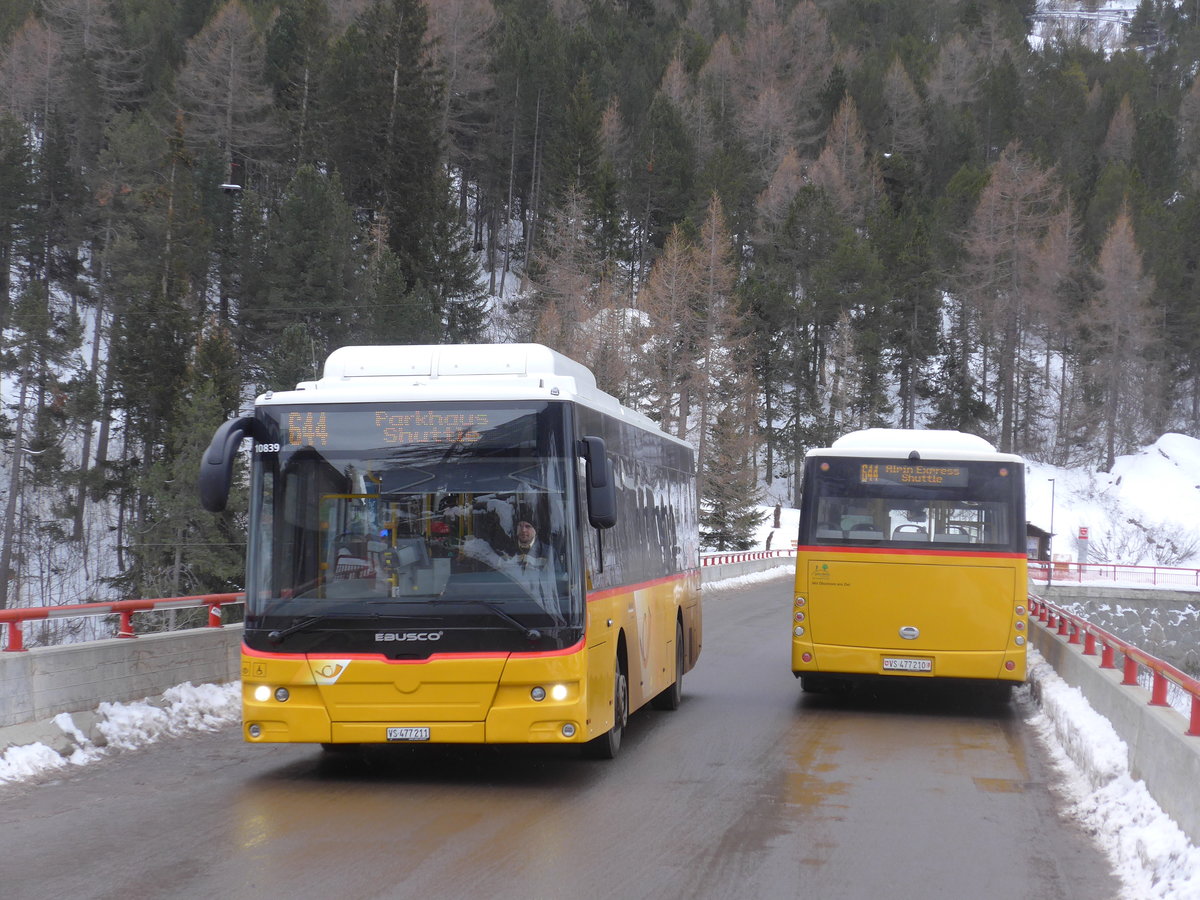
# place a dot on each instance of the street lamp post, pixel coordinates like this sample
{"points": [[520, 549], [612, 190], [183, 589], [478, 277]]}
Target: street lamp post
{"points": [[1050, 539]]}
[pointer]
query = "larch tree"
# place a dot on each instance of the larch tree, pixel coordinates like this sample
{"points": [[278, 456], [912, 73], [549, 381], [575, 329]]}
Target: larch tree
{"points": [[460, 32], [844, 169], [1122, 131], [1000, 282], [1120, 336], [904, 126], [718, 347], [33, 75], [667, 302], [104, 71], [223, 89]]}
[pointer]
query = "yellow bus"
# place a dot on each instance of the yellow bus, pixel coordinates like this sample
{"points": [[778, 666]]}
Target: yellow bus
{"points": [[910, 561], [460, 544]]}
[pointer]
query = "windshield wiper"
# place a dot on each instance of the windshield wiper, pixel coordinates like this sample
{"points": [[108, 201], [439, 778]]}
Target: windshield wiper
{"points": [[276, 637], [531, 634]]}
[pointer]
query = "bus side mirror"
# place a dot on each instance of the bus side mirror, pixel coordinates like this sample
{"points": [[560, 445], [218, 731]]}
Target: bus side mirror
{"points": [[601, 489], [216, 466]]}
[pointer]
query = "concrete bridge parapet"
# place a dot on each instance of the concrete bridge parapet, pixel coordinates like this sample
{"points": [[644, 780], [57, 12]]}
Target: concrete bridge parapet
{"points": [[1165, 623]]}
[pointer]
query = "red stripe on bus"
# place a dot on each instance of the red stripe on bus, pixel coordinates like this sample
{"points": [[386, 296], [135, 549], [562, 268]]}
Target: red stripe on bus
{"points": [[895, 551], [626, 588]]}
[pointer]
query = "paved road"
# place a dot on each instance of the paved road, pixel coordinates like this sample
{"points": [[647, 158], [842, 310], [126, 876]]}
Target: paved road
{"points": [[750, 790]]}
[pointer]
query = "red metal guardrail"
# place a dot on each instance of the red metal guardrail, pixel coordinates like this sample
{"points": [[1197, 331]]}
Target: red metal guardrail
{"points": [[14, 618], [724, 559], [1085, 573], [1076, 629]]}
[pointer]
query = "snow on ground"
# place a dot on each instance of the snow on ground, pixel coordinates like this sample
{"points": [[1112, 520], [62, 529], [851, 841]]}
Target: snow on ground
{"points": [[183, 709], [1148, 852]]}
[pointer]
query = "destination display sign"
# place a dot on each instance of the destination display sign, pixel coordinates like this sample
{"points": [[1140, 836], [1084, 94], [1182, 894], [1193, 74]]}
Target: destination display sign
{"points": [[317, 428], [932, 474]]}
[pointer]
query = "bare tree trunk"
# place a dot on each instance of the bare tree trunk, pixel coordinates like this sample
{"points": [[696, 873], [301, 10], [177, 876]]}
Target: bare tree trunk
{"points": [[89, 429], [512, 176], [535, 176], [14, 491]]}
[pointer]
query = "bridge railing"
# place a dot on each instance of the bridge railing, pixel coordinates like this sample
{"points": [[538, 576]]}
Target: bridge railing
{"points": [[1112, 573], [737, 556], [1133, 660], [14, 619]]}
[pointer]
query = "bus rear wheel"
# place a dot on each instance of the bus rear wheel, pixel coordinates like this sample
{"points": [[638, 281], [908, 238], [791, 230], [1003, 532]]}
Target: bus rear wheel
{"points": [[673, 695], [608, 744]]}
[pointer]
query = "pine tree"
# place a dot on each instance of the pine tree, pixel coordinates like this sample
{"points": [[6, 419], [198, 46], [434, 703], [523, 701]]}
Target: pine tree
{"points": [[16, 185], [295, 50], [381, 101], [181, 548], [304, 283], [729, 512]]}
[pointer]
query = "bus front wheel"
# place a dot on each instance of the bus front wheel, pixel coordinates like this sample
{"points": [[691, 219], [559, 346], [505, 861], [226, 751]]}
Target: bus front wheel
{"points": [[607, 745]]}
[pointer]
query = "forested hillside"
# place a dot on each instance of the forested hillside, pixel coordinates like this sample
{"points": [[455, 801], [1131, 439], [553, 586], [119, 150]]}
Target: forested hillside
{"points": [[764, 222]]}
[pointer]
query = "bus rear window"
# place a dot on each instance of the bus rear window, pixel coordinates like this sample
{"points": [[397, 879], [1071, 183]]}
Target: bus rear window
{"points": [[940, 504]]}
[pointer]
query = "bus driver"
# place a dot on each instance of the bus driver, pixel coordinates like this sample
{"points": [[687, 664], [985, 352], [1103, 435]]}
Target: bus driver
{"points": [[530, 563]]}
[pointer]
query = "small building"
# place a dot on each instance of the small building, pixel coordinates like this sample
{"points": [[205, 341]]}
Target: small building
{"points": [[1037, 542]]}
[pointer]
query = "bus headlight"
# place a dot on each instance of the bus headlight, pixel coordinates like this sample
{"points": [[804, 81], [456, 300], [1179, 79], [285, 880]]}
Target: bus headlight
{"points": [[558, 692], [538, 694], [282, 694], [255, 731], [262, 693], [568, 730]]}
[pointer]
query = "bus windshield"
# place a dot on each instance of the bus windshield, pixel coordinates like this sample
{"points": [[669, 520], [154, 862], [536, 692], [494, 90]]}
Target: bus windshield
{"points": [[386, 509], [926, 504]]}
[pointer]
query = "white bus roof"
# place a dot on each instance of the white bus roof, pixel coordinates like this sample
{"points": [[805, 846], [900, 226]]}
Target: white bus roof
{"points": [[901, 443], [431, 372]]}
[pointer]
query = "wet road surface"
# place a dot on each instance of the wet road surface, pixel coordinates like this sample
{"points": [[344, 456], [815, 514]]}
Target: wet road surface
{"points": [[750, 790]]}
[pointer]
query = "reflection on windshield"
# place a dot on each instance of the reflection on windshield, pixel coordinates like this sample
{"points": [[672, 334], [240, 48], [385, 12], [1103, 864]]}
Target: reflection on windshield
{"points": [[939, 522]]}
